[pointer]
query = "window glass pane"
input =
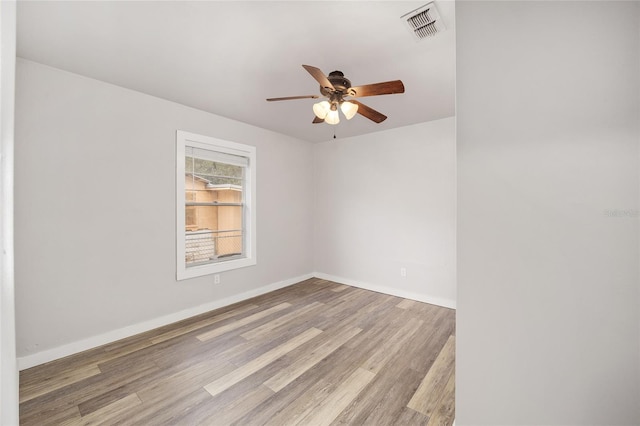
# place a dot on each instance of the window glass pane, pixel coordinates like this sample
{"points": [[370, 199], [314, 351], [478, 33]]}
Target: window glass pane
{"points": [[214, 172], [213, 233], [191, 219], [216, 234]]}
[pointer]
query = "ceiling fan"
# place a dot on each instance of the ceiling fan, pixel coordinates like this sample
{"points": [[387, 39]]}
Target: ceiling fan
{"points": [[337, 89]]}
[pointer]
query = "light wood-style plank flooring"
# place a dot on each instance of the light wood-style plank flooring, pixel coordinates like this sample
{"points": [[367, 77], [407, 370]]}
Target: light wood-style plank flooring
{"points": [[315, 353]]}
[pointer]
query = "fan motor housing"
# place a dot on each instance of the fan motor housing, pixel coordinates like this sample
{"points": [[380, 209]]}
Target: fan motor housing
{"points": [[339, 81]]}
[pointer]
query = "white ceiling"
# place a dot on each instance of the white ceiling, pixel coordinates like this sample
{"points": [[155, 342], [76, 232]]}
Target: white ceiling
{"points": [[228, 57]]}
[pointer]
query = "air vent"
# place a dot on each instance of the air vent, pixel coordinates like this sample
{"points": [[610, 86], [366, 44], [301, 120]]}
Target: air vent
{"points": [[424, 22]]}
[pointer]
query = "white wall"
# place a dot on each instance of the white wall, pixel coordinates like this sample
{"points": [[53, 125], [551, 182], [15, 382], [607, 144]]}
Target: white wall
{"points": [[95, 212], [547, 128], [386, 201], [8, 364]]}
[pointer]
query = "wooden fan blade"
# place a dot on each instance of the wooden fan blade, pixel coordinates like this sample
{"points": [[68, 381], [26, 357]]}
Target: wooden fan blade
{"points": [[369, 112], [319, 76], [385, 88], [317, 120], [288, 98]]}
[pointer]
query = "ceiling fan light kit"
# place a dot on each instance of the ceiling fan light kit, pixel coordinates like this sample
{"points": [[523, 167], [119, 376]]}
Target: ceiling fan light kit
{"points": [[329, 112], [321, 109], [332, 117], [336, 88], [349, 109]]}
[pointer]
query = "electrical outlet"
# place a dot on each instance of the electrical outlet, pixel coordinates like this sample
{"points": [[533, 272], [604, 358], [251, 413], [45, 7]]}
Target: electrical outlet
{"points": [[216, 279], [403, 272]]}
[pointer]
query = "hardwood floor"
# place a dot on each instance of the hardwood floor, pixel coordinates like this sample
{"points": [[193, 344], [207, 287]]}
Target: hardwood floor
{"points": [[315, 353]]}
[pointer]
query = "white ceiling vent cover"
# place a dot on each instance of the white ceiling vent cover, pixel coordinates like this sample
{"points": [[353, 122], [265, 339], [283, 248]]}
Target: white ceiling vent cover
{"points": [[424, 22]]}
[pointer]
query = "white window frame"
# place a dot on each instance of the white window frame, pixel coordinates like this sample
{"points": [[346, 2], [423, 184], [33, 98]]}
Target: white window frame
{"points": [[187, 139]]}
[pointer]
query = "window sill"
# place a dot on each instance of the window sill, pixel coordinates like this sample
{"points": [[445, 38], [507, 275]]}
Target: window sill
{"points": [[214, 268]]}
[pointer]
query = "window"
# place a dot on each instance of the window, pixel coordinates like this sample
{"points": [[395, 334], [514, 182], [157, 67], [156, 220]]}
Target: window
{"points": [[215, 184]]}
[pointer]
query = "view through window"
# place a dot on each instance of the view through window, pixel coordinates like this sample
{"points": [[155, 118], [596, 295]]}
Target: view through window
{"points": [[214, 207], [216, 215]]}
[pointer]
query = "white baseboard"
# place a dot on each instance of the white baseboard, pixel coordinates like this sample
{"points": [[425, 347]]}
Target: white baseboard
{"points": [[52, 354], [38, 358], [447, 303]]}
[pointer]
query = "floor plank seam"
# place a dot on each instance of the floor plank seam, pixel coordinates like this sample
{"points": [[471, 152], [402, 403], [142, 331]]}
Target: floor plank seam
{"points": [[315, 353]]}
